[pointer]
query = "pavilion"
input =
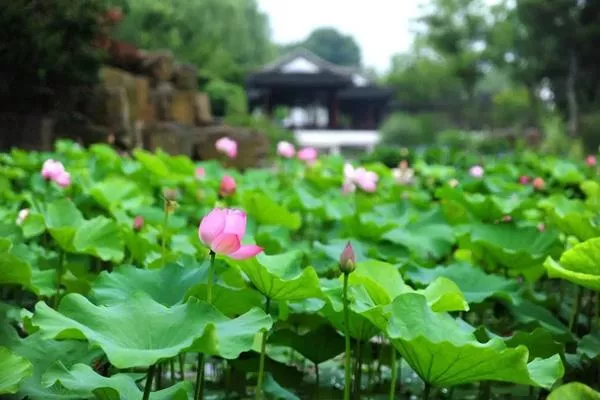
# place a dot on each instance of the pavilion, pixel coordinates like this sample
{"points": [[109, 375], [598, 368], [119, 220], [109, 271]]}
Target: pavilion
{"points": [[330, 107]]}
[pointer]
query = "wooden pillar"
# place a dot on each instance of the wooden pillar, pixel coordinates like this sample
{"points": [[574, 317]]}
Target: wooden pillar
{"points": [[332, 108], [268, 104]]}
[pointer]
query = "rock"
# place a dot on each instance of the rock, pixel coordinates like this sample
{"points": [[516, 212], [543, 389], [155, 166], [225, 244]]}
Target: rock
{"points": [[183, 107], [185, 77], [202, 111], [161, 98], [158, 65], [168, 136]]}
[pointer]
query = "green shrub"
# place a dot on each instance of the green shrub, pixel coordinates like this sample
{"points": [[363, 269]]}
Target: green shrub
{"points": [[589, 127], [404, 130], [226, 99]]}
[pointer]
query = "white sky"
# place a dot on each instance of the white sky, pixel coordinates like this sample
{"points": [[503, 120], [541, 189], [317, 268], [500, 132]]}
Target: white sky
{"points": [[381, 27]]}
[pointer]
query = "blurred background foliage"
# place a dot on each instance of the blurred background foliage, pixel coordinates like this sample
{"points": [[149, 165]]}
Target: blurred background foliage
{"points": [[479, 69]]}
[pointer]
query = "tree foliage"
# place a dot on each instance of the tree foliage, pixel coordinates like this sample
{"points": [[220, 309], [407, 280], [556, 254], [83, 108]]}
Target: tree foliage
{"points": [[331, 45]]}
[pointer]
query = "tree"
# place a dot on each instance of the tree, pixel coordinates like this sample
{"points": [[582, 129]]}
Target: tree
{"points": [[223, 38], [46, 49], [331, 45]]}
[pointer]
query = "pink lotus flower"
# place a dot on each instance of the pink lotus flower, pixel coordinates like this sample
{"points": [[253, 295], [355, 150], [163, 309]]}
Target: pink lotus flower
{"points": [[227, 187], [476, 171], [63, 180], [538, 183], [51, 169], [524, 180], [227, 146], [22, 216], [223, 230], [591, 160], [308, 155], [366, 180], [55, 171], [286, 149], [200, 173], [138, 223]]}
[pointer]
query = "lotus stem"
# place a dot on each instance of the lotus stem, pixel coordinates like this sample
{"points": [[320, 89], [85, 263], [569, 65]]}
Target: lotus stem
{"points": [[200, 378], [358, 369], [59, 273], [211, 273], [172, 368], [261, 365], [317, 381], [163, 244], [149, 378], [427, 391], [575, 309], [597, 310], [181, 366], [347, 365], [394, 377]]}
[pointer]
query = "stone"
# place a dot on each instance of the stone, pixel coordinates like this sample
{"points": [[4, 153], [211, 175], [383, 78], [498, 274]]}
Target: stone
{"points": [[202, 112], [161, 98], [168, 136], [185, 77], [183, 107], [158, 65]]}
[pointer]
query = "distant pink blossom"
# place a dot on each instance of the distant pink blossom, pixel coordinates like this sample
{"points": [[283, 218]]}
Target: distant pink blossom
{"points": [[55, 171], [138, 223], [366, 180], [223, 230], [453, 183], [308, 155], [200, 173], [227, 146], [591, 160], [22, 216], [476, 171], [541, 227], [538, 183], [524, 180], [227, 187], [286, 149]]}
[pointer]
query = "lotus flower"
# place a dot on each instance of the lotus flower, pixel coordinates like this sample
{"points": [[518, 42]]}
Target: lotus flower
{"points": [[223, 230], [22, 216], [366, 180], [55, 171], [524, 180], [227, 187], [286, 149], [538, 183], [403, 174], [200, 173], [138, 223], [591, 160], [308, 155], [476, 171], [227, 146], [453, 183]]}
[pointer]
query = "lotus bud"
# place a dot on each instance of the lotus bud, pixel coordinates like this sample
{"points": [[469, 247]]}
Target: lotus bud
{"points": [[138, 223], [591, 160], [538, 183], [348, 259], [227, 187], [453, 183], [524, 180]]}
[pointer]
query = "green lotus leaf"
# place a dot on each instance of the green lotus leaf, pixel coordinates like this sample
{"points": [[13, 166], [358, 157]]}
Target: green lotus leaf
{"points": [[34, 225], [429, 237], [580, 264], [83, 381], [444, 354], [120, 193], [527, 312], [268, 212], [574, 391], [280, 277], [479, 206], [590, 345], [571, 217], [276, 391], [13, 269], [63, 219], [229, 300], [444, 295], [152, 163], [42, 354], [117, 286], [381, 280], [592, 194], [540, 342], [566, 172], [100, 237], [13, 370], [510, 246], [121, 330], [473, 282], [317, 345]]}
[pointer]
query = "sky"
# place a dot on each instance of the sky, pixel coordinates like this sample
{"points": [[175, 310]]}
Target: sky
{"points": [[382, 28]]}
